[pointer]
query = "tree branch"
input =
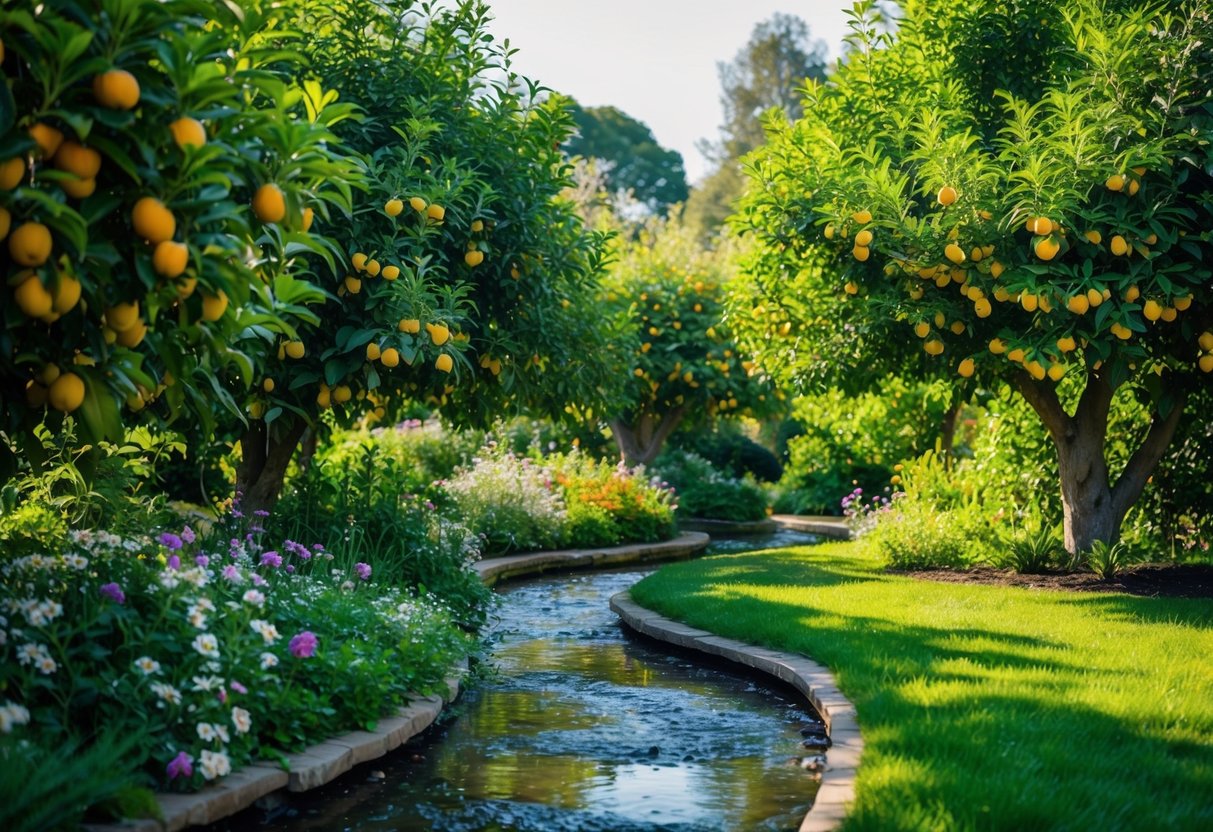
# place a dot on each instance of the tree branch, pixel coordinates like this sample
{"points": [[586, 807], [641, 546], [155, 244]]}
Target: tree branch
{"points": [[1145, 459], [1043, 399]]}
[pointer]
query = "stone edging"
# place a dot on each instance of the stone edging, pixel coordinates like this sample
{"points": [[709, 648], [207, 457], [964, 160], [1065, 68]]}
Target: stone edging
{"points": [[493, 570], [728, 527], [312, 767], [813, 680], [825, 526]]}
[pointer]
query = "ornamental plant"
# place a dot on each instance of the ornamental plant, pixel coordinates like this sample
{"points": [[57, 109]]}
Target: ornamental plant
{"points": [[1042, 221]]}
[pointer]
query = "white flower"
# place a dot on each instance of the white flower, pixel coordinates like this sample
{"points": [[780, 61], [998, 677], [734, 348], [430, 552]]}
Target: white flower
{"points": [[267, 631], [169, 579], [47, 666], [51, 609], [268, 660], [13, 714], [242, 720], [205, 604], [206, 731], [197, 617], [213, 666], [31, 653], [77, 562], [254, 597], [221, 733], [166, 693], [214, 764], [207, 683], [195, 576], [147, 664], [207, 645]]}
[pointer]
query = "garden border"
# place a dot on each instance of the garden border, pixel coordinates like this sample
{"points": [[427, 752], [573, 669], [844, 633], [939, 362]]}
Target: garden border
{"points": [[814, 680], [728, 527], [824, 525], [492, 570]]}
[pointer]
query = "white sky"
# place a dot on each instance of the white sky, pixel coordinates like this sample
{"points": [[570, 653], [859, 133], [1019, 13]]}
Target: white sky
{"points": [[653, 59]]}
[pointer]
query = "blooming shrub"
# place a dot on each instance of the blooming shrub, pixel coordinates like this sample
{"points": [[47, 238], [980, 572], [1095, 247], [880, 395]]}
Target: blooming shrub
{"points": [[705, 491], [862, 514], [611, 503], [510, 500], [220, 650]]}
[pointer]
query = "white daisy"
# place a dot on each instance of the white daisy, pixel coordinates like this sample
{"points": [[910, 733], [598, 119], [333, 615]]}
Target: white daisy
{"points": [[147, 665], [207, 645]]}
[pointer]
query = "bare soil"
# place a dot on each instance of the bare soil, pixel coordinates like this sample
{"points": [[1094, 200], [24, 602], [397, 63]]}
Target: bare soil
{"points": [[1172, 580]]}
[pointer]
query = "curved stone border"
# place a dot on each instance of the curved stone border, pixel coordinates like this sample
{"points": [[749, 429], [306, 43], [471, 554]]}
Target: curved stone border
{"points": [[493, 570], [810, 678], [312, 767], [728, 527], [825, 526]]}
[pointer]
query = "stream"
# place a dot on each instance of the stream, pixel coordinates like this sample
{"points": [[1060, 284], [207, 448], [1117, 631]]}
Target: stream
{"points": [[582, 727]]}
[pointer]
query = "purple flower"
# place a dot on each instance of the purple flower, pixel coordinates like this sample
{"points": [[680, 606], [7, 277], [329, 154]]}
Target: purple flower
{"points": [[290, 569], [231, 573], [319, 547], [170, 541], [187, 534], [363, 570], [239, 688], [257, 579], [202, 560], [261, 513], [222, 694], [272, 559], [180, 766], [174, 562], [429, 505], [303, 646], [114, 593]]}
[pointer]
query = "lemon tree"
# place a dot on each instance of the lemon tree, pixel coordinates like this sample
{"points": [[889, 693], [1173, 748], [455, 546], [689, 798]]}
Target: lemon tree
{"points": [[1043, 221], [464, 282], [149, 210], [683, 364]]}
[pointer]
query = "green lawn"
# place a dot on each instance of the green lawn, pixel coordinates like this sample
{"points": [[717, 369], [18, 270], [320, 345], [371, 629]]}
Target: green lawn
{"points": [[983, 707]]}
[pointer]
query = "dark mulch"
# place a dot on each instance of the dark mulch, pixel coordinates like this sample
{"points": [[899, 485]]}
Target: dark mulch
{"points": [[1175, 581]]}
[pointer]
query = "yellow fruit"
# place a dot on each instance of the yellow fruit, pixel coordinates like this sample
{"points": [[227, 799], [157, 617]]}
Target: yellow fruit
{"points": [[122, 316], [152, 221], [359, 261], [1206, 341], [269, 203], [67, 294], [1120, 331], [295, 349], [6, 221], [922, 329], [308, 216], [1045, 305], [439, 334], [268, 385], [213, 307], [373, 268], [1134, 187], [997, 346], [1078, 304], [1029, 302], [1206, 363], [132, 336], [862, 217], [342, 394], [863, 239], [1151, 240], [116, 89], [1041, 226], [373, 352], [170, 258], [1094, 297], [1047, 248], [186, 286], [1182, 304], [75, 158], [1169, 314], [444, 363], [256, 409], [324, 398], [67, 393], [940, 320], [188, 132], [957, 328], [1067, 344], [829, 230], [477, 226], [1017, 355], [390, 357], [1118, 245], [1056, 371], [436, 212], [966, 368], [946, 195], [48, 139], [390, 272], [418, 204], [954, 253], [12, 171], [1132, 294], [32, 297], [1094, 237], [410, 325], [1115, 182], [850, 288], [30, 244], [983, 308], [393, 207], [1036, 370], [352, 284], [48, 374], [933, 347], [1152, 310], [473, 258], [78, 188], [976, 254], [996, 269]]}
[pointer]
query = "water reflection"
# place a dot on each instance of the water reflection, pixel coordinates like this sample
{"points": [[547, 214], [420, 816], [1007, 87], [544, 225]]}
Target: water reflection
{"points": [[585, 728]]}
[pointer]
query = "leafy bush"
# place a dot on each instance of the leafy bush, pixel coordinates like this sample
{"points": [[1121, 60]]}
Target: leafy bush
{"points": [[704, 491], [639, 509], [511, 501], [731, 451], [1032, 551], [917, 535], [218, 650], [1108, 560]]}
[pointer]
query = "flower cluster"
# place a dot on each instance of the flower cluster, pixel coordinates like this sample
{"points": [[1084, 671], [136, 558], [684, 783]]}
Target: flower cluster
{"points": [[862, 514]]}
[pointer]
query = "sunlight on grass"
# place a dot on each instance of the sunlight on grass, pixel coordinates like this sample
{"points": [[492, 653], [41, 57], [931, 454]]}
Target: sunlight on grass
{"points": [[984, 707]]}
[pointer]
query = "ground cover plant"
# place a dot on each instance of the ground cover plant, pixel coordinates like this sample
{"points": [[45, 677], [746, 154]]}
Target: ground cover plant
{"points": [[983, 707], [704, 491]]}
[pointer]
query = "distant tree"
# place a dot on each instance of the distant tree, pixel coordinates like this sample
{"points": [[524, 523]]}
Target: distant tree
{"points": [[654, 174]]}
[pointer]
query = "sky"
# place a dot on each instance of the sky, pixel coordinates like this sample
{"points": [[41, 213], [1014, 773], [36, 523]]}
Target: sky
{"points": [[653, 59]]}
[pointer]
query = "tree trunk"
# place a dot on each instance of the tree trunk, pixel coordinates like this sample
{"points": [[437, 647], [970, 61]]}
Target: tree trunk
{"points": [[947, 434], [265, 456], [1094, 508], [640, 444]]}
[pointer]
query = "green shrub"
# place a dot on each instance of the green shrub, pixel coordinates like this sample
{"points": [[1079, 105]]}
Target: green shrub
{"points": [[589, 525], [704, 491], [639, 509], [732, 452], [510, 501], [1109, 560], [916, 535], [1031, 551]]}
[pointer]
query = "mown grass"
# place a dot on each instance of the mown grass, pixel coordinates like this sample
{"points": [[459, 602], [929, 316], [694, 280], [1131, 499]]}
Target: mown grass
{"points": [[983, 707]]}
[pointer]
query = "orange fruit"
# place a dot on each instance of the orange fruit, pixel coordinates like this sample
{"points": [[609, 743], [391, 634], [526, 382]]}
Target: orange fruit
{"points": [[1115, 182], [410, 325], [393, 207], [1118, 245], [444, 363], [863, 238], [996, 269], [1152, 310], [373, 352], [1078, 304], [342, 394], [473, 258], [439, 333], [851, 288], [67, 393], [30, 244], [1134, 187], [922, 329], [957, 328], [359, 261], [861, 253], [1132, 293], [170, 258], [12, 171], [32, 297], [295, 349], [6, 221], [268, 385], [352, 284], [946, 195], [1169, 314], [1067, 344], [477, 226], [1094, 297], [1206, 341], [122, 316], [269, 203], [966, 368], [1047, 248], [997, 346], [308, 216], [862, 217], [1041, 226], [829, 231], [77, 159], [133, 336], [78, 188], [418, 204], [933, 347], [35, 395], [436, 212], [983, 308], [373, 267], [1056, 371], [954, 253], [390, 272], [152, 221], [188, 132], [67, 293], [1206, 363], [390, 357], [1029, 302], [213, 307], [325, 397], [116, 89], [1094, 237], [186, 286], [47, 137], [1183, 303]]}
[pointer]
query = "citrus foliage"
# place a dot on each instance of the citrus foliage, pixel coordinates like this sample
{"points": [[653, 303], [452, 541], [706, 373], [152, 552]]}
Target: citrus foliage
{"points": [[133, 137]]}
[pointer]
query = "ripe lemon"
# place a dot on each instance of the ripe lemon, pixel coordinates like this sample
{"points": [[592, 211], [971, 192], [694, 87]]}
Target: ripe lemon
{"points": [[862, 217], [78, 188], [851, 288], [30, 244], [1152, 310], [966, 368], [390, 272], [295, 349], [32, 297], [1056, 371], [410, 325], [1029, 302], [444, 363], [1132, 294], [342, 394], [436, 212], [359, 260], [954, 253], [373, 352], [170, 258], [268, 385], [1206, 363], [308, 216], [417, 203], [477, 226], [67, 393], [922, 329], [946, 195], [12, 171], [67, 293], [439, 334], [1206, 341], [983, 308], [1047, 248], [1078, 304], [75, 158], [122, 316], [393, 207], [133, 336], [116, 89], [1118, 245], [1115, 182], [188, 132], [47, 137], [372, 267], [863, 239], [213, 307], [152, 221], [997, 346], [269, 203], [352, 284], [390, 357]]}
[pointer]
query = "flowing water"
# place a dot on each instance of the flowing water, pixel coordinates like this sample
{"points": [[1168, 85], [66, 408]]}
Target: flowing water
{"points": [[585, 728]]}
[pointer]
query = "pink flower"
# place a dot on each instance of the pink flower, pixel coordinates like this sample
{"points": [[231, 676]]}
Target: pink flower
{"points": [[180, 766], [303, 646], [363, 570], [239, 688]]}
